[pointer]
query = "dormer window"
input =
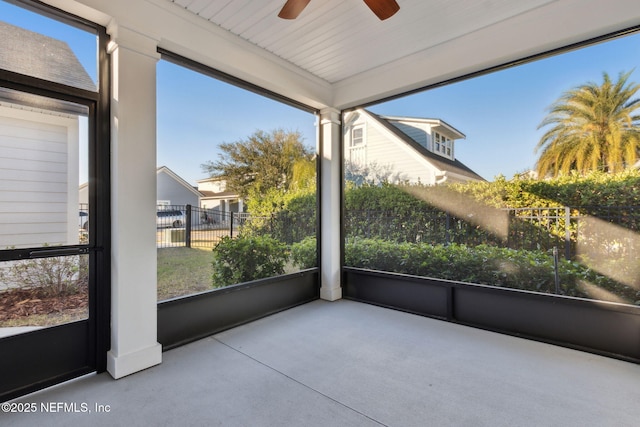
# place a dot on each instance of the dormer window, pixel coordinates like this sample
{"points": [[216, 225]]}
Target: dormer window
{"points": [[442, 145]]}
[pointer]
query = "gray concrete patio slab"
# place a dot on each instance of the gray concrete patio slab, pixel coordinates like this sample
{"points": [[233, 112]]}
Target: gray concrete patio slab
{"points": [[352, 364]]}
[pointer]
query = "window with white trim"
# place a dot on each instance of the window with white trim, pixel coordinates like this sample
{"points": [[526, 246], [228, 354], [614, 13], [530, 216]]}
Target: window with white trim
{"points": [[357, 136], [442, 145]]}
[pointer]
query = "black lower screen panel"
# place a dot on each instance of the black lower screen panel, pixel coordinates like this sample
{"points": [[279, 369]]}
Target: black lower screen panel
{"points": [[183, 320], [600, 327], [41, 358]]}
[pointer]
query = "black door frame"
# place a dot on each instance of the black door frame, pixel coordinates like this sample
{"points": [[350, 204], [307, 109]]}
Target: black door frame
{"points": [[41, 358]]}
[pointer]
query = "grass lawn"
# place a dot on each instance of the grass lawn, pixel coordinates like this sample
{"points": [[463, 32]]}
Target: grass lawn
{"points": [[183, 271]]}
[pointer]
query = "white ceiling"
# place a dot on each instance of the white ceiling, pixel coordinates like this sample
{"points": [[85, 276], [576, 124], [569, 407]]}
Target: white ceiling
{"points": [[337, 39], [338, 54]]}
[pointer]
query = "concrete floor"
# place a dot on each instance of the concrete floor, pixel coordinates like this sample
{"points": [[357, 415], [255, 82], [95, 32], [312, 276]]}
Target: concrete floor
{"points": [[352, 364]]}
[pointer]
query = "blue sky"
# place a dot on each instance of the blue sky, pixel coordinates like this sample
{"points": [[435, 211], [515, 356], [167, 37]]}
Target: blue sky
{"points": [[499, 113], [196, 113]]}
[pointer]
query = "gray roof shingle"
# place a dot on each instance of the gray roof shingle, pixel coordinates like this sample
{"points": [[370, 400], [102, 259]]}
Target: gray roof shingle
{"points": [[25, 52]]}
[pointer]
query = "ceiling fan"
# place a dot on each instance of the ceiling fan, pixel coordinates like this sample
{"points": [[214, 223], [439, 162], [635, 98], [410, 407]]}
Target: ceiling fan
{"points": [[382, 8]]}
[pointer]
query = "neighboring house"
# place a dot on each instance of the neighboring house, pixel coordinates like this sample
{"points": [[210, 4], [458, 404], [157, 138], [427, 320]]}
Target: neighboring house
{"points": [[172, 191], [415, 149], [39, 144], [218, 200]]}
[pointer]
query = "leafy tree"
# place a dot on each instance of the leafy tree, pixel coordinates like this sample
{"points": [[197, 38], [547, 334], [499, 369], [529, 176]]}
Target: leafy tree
{"points": [[304, 175], [593, 127], [259, 163]]}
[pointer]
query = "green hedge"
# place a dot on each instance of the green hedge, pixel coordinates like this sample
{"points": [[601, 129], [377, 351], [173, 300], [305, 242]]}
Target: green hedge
{"points": [[304, 253], [594, 189], [286, 216], [461, 213], [247, 258], [516, 269]]}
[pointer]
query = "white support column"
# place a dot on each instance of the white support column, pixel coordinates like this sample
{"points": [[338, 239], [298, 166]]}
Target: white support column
{"points": [[330, 267], [134, 343]]}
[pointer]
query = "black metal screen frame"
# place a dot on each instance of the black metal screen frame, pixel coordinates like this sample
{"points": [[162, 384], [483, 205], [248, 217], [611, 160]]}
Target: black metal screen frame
{"points": [[451, 301], [97, 327], [191, 317]]}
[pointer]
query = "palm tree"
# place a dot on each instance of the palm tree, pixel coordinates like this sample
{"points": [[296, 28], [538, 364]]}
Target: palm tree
{"points": [[593, 127]]}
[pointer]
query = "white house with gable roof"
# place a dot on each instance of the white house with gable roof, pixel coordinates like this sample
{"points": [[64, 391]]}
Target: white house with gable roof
{"points": [[408, 149]]}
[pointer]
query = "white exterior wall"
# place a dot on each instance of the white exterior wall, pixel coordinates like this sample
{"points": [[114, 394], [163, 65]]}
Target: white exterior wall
{"points": [[228, 203], [215, 185], [387, 151], [384, 149], [38, 178]]}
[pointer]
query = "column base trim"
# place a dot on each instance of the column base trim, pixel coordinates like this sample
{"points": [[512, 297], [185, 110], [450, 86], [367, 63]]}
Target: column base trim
{"points": [[127, 364], [330, 294]]}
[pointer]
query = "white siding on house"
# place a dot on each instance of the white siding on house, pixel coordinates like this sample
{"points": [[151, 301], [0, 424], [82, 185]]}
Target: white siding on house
{"points": [[357, 155], [356, 151], [215, 185], [38, 178], [386, 151], [388, 147]]}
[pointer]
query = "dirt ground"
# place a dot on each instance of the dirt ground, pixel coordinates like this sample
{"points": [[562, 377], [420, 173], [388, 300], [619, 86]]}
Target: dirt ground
{"points": [[17, 304]]}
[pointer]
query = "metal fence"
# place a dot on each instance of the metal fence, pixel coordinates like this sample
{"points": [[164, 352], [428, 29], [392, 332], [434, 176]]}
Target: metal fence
{"points": [[191, 226], [588, 230], [569, 229]]}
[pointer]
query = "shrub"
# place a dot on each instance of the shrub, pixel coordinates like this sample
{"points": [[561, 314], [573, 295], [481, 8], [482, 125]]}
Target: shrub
{"points": [[392, 213], [288, 216], [482, 264], [247, 258], [594, 189], [51, 277], [304, 254], [473, 213]]}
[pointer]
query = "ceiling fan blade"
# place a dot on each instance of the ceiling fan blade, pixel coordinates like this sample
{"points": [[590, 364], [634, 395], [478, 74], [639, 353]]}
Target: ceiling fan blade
{"points": [[292, 9], [383, 8]]}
